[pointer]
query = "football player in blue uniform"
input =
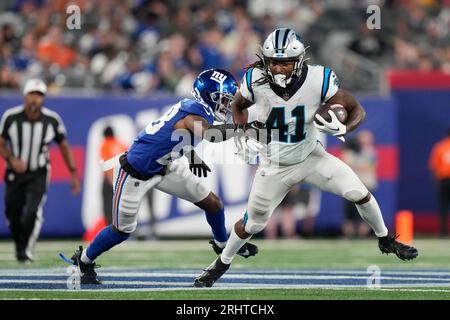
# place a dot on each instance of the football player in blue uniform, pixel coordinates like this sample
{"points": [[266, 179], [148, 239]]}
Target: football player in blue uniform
{"points": [[155, 160]]}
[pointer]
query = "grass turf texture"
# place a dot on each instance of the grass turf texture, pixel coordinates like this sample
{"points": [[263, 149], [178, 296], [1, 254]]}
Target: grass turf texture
{"points": [[285, 255]]}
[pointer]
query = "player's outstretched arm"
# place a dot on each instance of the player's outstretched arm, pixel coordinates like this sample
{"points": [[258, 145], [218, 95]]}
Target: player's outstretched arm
{"points": [[221, 132], [201, 128], [356, 113], [239, 107], [194, 123]]}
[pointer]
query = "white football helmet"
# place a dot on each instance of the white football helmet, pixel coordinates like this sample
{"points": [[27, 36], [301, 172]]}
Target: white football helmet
{"points": [[283, 44]]}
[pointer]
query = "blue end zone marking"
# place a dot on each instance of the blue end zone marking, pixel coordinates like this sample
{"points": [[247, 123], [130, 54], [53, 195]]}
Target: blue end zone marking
{"points": [[67, 260]]}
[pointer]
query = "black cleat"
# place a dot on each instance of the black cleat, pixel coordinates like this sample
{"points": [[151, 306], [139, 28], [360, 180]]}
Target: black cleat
{"points": [[247, 250], [22, 257], [211, 274], [86, 270], [388, 245]]}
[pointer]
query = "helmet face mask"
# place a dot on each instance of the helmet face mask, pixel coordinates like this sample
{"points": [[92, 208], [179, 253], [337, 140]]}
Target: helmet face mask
{"points": [[216, 88], [281, 79], [222, 110], [283, 45]]}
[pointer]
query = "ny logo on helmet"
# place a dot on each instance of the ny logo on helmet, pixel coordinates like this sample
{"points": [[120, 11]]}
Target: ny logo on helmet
{"points": [[218, 77]]}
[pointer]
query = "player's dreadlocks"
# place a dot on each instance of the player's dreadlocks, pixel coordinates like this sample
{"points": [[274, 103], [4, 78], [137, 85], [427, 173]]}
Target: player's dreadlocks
{"points": [[259, 64]]}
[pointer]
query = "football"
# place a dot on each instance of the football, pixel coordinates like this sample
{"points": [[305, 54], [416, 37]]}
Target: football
{"points": [[338, 109]]}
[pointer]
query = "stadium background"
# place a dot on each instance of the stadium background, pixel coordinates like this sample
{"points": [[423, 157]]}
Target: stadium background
{"points": [[131, 59]]}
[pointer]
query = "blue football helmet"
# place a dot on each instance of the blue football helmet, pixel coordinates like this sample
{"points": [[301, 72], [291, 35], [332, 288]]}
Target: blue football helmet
{"points": [[216, 88]]}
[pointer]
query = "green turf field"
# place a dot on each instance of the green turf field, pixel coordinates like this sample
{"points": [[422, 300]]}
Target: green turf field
{"points": [[192, 256]]}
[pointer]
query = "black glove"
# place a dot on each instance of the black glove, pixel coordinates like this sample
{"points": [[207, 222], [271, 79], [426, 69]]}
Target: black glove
{"points": [[196, 164], [257, 130], [199, 169]]}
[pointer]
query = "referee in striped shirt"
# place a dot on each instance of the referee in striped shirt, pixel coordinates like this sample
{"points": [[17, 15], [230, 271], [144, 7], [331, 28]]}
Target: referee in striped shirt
{"points": [[25, 133]]}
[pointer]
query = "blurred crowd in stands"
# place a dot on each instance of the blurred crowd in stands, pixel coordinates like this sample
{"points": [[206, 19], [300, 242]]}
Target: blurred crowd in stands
{"points": [[157, 47]]}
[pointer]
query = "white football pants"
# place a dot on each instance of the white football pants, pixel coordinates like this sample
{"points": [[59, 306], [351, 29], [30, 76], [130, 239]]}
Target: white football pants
{"points": [[320, 169], [178, 181]]}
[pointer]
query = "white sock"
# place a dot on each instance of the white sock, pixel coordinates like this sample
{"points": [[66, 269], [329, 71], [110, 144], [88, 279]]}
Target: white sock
{"points": [[371, 213], [221, 245], [234, 243], [85, 258]]}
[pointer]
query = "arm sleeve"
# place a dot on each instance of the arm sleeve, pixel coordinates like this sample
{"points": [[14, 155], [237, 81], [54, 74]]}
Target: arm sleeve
{"points": [[330, 84], [246, 88]]}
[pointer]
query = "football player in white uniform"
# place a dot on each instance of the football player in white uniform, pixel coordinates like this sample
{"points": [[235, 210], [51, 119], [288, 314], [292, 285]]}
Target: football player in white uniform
{"points": [[287, 92]]}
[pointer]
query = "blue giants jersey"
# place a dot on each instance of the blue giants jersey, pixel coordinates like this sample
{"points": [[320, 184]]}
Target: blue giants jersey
{"points": [[158, 143]]}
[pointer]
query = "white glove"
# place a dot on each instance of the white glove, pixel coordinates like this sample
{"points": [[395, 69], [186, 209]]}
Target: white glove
{"points": [[247, 148], [334, 127], [254, 145]]}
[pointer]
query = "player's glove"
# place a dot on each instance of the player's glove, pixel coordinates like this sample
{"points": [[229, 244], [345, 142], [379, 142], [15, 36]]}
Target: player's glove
{"points": [[258, 131], [334, 127], [197, 165], [247, 149], [199, 169]]}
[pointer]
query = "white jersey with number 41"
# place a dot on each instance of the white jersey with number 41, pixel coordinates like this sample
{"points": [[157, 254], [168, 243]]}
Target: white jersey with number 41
{"points": [[290, 111]]}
